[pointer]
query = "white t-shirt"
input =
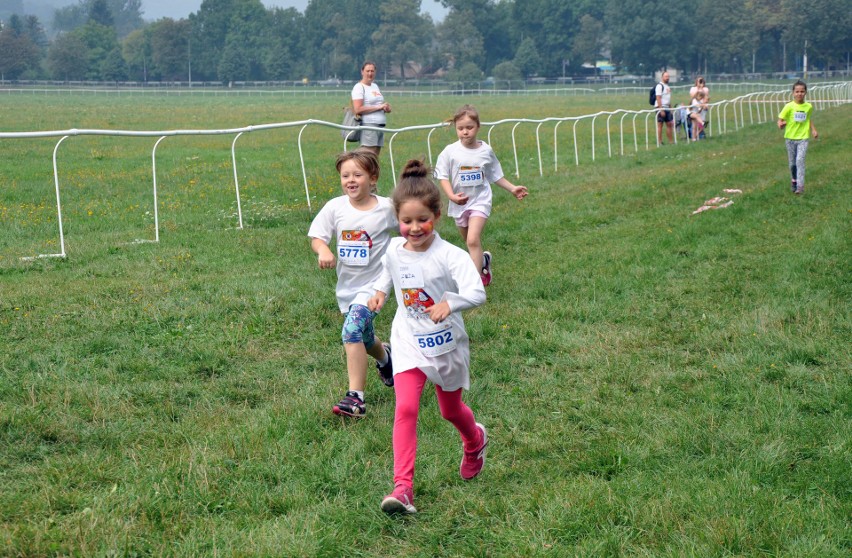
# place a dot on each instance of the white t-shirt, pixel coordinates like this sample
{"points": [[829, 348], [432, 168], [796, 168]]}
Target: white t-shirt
{"points": [[694, 89], [695, 106], [665, 92], [372, 97], [470, 171], [420, 280], [360, 240]]}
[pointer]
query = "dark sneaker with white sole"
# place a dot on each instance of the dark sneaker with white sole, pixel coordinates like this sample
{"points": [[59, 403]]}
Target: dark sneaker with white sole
{"points": [[386, 371], [350, 406]]}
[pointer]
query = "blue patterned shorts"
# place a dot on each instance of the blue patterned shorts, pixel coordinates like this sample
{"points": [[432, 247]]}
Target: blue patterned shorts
{"points": [[358, 326]]}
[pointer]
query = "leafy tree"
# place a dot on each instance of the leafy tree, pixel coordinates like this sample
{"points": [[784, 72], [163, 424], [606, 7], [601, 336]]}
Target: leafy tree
{"points": [[233, 65], [466, 73], [402, 34], [509, 74], [220, 21], [123, 15], [250, 29], [507, 71], [589, 41], [136, 50], [99, 12], [550, 24], [17, 53], [16, 24], [493, 21], [68, 57], [169, 42], [827, 27], [339, 44], [649, 35], [284, 59], [34, 30], [100, 40], [113, 66], [730, 40], [460, 42], [527, 59]]}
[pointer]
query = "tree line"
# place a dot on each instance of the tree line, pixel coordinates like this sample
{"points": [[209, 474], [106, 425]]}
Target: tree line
{"points": [[241, 40]]}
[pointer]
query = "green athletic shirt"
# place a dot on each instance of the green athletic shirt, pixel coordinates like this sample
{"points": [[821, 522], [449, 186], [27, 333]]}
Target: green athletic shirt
{"points": [[798, 118]]}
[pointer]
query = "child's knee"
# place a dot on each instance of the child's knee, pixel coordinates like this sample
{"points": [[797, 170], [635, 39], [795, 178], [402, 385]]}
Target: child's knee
{"points": [[406, 410]]}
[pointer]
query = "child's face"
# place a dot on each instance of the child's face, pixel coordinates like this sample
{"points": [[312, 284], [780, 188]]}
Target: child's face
{"points": [[417, 225], [466, 130], [799, 93], [355, 181]]}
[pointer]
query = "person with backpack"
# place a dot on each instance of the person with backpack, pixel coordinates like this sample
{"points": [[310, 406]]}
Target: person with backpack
{"points": [[663, 102]]}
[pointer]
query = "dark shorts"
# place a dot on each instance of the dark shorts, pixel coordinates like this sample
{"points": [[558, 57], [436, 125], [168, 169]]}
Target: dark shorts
{"points": [[666, 116]]}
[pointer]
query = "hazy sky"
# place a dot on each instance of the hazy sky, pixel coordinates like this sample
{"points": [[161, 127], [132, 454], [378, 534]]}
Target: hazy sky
{"points": [[155, 9]]}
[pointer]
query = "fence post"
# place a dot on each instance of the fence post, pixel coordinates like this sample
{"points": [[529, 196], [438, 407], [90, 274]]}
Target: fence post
{"points": [[515, 150], [538, 148], [156, 203], [304, 173], [236, 180]]}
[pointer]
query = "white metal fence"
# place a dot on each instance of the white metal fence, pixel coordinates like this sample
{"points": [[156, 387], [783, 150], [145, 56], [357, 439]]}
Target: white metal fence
{"points": [[635, 88], [752, 108]]}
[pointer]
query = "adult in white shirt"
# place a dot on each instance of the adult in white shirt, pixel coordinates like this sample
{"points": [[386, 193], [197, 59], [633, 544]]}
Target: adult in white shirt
{"points": [[665, 114], [369, 103]]}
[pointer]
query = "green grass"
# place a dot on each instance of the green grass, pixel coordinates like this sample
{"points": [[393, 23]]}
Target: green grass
{"points": [[655, 383]]}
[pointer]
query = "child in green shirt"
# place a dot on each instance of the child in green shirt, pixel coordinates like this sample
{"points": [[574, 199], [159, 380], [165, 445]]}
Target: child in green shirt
{"points": [[795, 119]]}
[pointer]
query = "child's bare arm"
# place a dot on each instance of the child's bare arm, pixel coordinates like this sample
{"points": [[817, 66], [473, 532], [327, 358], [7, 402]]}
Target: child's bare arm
{"points": [[377, 301], [325, 256], [520, 192], [459, 199]]}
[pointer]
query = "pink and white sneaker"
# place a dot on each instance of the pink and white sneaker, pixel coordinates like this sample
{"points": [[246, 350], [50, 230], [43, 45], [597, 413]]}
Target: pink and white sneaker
{"points": [[399, 501], [486, 274], [473, 461]]}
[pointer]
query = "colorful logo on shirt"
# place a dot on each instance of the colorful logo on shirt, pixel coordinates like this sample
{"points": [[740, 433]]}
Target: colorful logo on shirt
{"points": [[417, 302], [356, 236]]}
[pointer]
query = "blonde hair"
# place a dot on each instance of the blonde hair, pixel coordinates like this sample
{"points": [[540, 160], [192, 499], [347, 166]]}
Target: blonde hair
{"points": [[415, 184]]}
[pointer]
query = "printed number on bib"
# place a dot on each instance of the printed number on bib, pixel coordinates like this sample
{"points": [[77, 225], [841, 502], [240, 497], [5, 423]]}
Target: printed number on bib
{"points": [[800, 116], [470, 178], [355, 253], [435, 343]]}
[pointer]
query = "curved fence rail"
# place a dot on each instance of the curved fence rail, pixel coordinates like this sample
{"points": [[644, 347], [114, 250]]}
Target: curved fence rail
{"points": [[620, 125]]}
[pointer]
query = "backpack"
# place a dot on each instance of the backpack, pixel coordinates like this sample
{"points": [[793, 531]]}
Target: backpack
{"points": [[652, 97]]}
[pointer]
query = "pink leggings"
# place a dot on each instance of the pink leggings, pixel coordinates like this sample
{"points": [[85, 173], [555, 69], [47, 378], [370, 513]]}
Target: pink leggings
{"points": [[408, 386]]}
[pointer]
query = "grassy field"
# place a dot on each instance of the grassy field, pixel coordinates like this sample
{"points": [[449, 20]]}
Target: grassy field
{"points": [[655, 383]]}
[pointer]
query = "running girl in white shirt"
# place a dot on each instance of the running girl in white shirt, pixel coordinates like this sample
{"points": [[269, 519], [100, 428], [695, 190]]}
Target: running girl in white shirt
{"points": [[466, 169], [433, 281], [360, 224]]}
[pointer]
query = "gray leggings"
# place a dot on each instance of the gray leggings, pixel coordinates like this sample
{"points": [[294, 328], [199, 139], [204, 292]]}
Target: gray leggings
{"points": [[796, 150]]}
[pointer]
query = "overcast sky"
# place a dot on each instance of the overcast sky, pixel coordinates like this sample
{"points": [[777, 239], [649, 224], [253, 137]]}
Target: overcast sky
{"points": [[155, 9]]}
